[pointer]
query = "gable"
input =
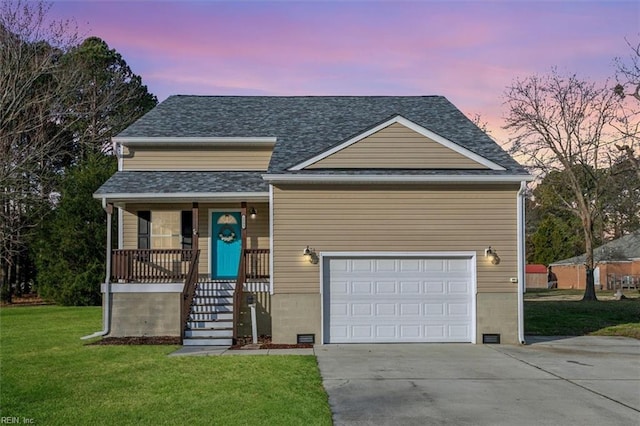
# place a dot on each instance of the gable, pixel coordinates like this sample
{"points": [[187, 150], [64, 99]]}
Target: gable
{"points": [[398, 144]]}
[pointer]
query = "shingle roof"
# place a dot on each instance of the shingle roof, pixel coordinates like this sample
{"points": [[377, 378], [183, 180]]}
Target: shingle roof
{"points": [[182, 182], [624, 248], [306, 126]]}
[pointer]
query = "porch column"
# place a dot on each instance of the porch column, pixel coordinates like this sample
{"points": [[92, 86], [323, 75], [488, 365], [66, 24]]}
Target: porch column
{"points": [[195, 225]]}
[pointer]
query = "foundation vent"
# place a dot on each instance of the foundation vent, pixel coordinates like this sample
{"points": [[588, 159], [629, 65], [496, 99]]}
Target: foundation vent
{"points": [[491, 338], [307, 338]]}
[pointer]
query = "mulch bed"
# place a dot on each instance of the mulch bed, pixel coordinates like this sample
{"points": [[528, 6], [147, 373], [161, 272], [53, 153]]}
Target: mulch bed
{"points": [[151, 340], [243, 343], [25, 300], [264, 342]]}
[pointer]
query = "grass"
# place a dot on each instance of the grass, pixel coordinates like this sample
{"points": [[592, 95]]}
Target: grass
{"points": [[576, 318], [47, 374]]}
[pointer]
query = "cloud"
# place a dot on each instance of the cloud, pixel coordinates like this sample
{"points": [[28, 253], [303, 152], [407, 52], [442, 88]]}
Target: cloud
{"points": [[467, 51]]}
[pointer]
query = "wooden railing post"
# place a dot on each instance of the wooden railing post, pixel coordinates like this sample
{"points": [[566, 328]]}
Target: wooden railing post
{"points": [[238, 294], [189, 290]]}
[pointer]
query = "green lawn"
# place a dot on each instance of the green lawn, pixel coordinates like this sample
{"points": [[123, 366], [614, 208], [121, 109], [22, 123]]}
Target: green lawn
{"points": [[47, 374], [577, 318]]}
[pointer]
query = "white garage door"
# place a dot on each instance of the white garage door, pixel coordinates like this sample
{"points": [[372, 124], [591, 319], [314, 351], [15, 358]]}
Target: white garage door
{"points": [[389, 300]]}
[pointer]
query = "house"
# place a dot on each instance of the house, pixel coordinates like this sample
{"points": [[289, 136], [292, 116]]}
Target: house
{"points": [[342, 219], [617, 264], [536, 276]]}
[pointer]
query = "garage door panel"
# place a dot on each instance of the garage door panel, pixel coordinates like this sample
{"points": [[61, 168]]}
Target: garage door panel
{"points": [[362, 332], [434, 331], [385, 265], [460, 331], [362, 310], [362, 265], [340, 310], [434, 265], [410, 265], [413, 331], [361, 287], [339, 287], [386, 309], [386, 287], [458, 265], [431, 287], [434, 309], [399, 300], [410, 287], [458, 287], [408, 309], [458, 309]]}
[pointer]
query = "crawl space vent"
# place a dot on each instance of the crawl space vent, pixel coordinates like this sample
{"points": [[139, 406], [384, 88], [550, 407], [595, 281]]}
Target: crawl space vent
{"points": [[490, 338]]}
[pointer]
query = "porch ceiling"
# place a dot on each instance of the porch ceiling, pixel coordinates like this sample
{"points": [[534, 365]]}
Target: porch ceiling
{"points": [[184, 186]]}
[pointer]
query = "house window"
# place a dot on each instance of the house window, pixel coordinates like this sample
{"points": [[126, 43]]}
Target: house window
{"points": [[170, 229], [165, 230], [144, 230], [187, 229]]}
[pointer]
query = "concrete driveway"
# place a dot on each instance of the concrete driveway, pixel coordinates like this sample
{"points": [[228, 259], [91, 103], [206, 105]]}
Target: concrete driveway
{"points": [[553, 381]]}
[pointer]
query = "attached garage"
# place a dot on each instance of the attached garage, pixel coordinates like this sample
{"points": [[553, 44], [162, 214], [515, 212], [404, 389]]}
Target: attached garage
{"points": [[394, 298]]}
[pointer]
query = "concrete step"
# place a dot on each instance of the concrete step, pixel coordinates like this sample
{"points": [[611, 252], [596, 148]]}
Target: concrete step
{"points": [[208, 342], [197, 325], [225, 332]]}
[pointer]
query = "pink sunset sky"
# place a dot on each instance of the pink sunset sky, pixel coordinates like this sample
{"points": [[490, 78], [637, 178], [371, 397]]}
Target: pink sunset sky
{"points": [[468, 51]]}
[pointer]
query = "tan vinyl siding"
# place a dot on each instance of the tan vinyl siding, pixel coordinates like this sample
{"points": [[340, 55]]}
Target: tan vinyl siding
{"points": [[130, 229], [200, 158], [257, 229], [397, 146], [399, 219]]}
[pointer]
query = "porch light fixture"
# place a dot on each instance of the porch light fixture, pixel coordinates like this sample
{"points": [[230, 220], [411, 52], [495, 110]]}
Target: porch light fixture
{"points": [[253, 213], [492, 255], [310, 255]]}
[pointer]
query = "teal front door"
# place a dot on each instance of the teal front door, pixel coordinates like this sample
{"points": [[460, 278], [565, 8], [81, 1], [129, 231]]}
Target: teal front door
{"points": [[226, 243]]}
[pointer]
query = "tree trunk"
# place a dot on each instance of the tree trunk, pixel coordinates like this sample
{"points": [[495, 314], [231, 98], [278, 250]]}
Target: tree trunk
{"points": [[589, 288], [5, 284]]}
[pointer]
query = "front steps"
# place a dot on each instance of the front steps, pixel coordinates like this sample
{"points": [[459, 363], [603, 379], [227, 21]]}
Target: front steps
{"points": [[211, 319]]}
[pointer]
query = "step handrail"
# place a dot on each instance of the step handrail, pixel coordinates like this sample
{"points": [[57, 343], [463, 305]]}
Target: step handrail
{"points": [[238, 294], [189, 290]]}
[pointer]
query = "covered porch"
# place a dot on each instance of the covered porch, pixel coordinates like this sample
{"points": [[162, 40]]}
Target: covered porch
{"points": [[176, 257]]}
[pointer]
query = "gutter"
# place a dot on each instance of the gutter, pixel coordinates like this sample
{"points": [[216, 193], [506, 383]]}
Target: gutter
{"points": [[106, 310], [284, 178], [521, 262]]}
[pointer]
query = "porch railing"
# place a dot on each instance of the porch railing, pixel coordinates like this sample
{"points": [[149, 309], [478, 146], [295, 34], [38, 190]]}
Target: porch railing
{"points": [[153, 265], [189, 290], [254, 266]]}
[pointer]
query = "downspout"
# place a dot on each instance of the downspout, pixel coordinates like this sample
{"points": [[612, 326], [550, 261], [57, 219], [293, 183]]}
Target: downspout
{"points": [[521, 261], [106, 312]]}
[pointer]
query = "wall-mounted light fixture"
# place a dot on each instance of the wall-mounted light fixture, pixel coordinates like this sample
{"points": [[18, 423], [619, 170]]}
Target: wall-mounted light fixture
{"points": [[492, 255], [310, 255], [253, 213]]}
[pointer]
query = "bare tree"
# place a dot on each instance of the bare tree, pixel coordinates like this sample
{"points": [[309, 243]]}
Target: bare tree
{"points": [[628, 88], [32, 139], [561, 123]]}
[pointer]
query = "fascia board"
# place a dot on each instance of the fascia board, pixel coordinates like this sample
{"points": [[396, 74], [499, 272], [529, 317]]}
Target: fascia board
{"points": [[195, 141], [292, 178], [411, 125], [182, 196]]}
